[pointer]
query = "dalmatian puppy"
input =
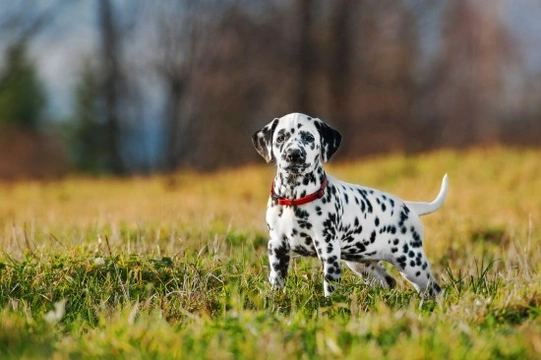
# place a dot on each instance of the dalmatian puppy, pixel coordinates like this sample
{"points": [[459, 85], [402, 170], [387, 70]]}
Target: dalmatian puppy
{"points": [[311, 213]]}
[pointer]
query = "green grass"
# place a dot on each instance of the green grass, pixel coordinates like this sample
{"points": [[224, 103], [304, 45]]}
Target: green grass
{"points": [[176, 267]]}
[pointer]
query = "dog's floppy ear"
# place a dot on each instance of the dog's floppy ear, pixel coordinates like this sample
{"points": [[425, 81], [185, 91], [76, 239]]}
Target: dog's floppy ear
{"points": [[262, 140], [330, 140]]}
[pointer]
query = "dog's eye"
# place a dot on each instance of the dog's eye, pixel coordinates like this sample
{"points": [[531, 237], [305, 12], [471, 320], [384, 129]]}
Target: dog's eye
{"points": [[280, 138], [308, 137]]}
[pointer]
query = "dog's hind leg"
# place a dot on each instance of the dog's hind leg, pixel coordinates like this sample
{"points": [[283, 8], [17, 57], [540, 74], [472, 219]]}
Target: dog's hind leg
{"points": [[372, 271], [417, 272]]}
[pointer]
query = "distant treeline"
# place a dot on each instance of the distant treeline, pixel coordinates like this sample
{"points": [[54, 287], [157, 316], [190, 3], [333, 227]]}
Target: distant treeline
{"points": [[390, 75]]}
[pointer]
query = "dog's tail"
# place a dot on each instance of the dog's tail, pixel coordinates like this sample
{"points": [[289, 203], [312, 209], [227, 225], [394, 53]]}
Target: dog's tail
{"points": [[423, 208]]}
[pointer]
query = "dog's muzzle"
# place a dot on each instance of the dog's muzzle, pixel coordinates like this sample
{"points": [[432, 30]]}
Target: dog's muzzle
{"points": [[295, 160]]}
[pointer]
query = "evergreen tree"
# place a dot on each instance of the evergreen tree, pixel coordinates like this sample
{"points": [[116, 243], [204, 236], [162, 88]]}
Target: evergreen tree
{"points": [[22, 95]]}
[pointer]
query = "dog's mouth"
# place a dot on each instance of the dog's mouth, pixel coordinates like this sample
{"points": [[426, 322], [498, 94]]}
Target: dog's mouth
{"points": [[296, 168]]}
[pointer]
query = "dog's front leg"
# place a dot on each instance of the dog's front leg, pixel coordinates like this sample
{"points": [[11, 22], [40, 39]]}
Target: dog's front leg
{"points": [[279, 255], [328, 252]]}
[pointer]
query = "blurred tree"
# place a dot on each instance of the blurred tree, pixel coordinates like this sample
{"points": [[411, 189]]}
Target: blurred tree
{"points": [[383, 54], [250, 82], [180, 33], [223, 70], [27, 149], [22, 95], [468, 84], [339, 73], [112, 85], [84, 131], [306, 56]]}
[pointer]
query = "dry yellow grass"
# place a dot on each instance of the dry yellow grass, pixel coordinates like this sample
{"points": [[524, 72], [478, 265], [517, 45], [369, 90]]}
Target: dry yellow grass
{"points": [[495, 189]]}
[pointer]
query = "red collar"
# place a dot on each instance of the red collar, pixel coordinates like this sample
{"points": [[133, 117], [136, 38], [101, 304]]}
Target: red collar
{"points": [[300, 201]]}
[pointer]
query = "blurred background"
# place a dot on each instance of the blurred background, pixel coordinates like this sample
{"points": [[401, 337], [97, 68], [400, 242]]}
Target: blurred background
{"points": [[134, 86]]}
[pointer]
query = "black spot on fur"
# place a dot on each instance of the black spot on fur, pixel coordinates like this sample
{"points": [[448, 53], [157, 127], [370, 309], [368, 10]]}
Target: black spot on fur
{"points": [[368, 204], [370, 209], [361, 247], [332, 259], [335, 276], [304, 224], [401, 260], [304, 251], [282, 255], [301, 213], [417, 242], [403, 217]]}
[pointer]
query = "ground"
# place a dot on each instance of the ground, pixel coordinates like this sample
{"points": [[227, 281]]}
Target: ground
{"points": [[175, 266]]}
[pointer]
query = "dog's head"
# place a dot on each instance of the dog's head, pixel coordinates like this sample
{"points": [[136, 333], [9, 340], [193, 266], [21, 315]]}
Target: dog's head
{"points": [[297, 142]]}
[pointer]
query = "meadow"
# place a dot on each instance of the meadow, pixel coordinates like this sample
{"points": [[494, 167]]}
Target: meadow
{"points": [[175, 266]]}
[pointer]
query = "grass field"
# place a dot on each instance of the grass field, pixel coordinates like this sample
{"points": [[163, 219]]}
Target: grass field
{"points": [[175, 267]]}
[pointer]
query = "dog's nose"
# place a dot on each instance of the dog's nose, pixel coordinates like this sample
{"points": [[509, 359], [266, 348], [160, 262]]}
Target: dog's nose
{"points": [[294, 155]]}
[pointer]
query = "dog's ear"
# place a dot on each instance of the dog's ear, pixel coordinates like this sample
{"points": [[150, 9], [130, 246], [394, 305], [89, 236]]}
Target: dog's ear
{"points": [[262, 140], [330, 140]]}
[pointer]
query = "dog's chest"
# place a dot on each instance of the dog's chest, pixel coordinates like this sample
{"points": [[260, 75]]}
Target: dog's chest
{"points": [[296, 225]]}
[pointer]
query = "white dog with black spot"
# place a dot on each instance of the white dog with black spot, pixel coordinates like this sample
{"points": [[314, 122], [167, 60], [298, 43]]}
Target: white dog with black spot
{"points": [[313, 214]]}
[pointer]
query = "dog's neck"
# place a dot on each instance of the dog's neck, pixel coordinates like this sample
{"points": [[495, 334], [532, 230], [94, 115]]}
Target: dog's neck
{"points": [[294, 186]]}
